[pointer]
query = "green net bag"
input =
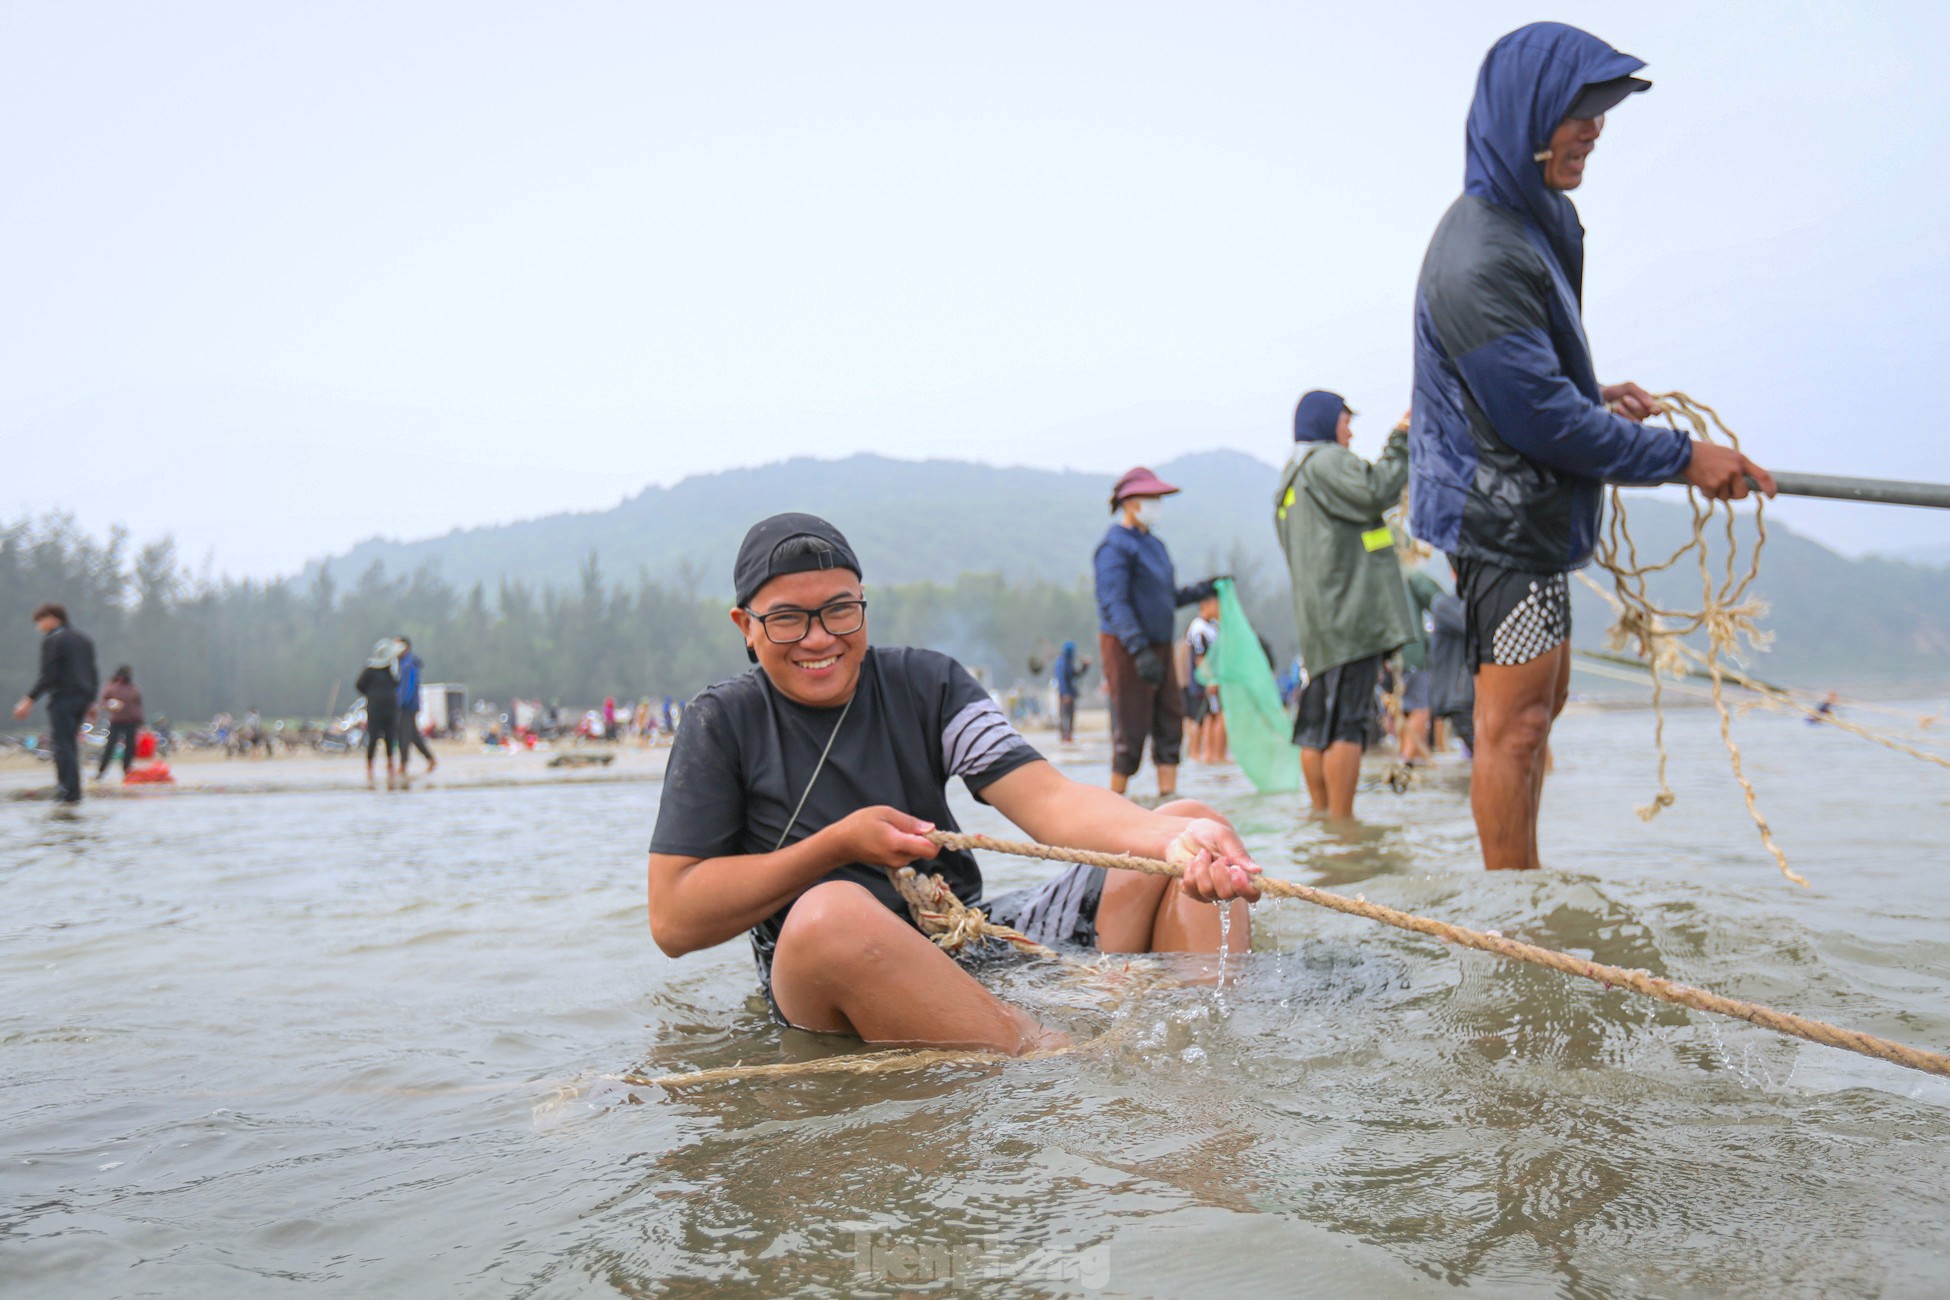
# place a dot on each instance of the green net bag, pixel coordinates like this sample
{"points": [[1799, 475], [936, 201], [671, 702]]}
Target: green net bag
{"points": [[1257, 727]]}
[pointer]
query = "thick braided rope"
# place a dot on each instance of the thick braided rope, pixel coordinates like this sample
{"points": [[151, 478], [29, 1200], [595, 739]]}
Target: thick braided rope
{"points": [[1638, 981], [857, 1063], [898, 1060]]}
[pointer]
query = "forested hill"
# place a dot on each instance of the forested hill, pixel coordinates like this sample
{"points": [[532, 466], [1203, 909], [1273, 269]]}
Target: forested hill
{"points": [[934, 521], [911, 521]]}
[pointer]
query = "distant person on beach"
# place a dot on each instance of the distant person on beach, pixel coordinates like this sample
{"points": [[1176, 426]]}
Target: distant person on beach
{"points": [[251, 734], [1137, 596], [1514, 437], [69, 681], [1070, 670], [409, 667], [1349, 601], [795, 790], [1417, 731], [120, 706], [379, 683]]}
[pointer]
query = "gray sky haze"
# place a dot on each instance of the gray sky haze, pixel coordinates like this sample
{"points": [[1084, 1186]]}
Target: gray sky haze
{"points": [[281, 277]]}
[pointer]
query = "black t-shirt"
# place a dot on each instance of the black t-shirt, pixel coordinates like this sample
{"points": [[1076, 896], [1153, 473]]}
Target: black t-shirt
{"points": [[745, 753]]}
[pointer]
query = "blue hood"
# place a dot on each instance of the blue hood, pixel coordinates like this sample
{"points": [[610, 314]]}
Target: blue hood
{"points": [[1527, 84], [1318, 417]]}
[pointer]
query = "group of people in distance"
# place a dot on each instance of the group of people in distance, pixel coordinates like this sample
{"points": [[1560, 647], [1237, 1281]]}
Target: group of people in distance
{"points": [[804, 782], [390, 683]]}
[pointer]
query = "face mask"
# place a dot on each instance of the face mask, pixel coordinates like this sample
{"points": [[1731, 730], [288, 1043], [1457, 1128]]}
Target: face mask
{"points": [[1147, 512]]}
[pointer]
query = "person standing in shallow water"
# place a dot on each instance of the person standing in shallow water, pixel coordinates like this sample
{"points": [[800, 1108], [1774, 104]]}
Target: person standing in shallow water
{"points": [[1070, 670], [1514, 438], [379, 683], [1349, 604], [795, 789], [69, 680], [410, 669], [1205, 719], [1137, 596]]}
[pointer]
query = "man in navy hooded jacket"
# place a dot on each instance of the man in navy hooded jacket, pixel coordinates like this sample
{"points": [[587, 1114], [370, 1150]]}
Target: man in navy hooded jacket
{"points": [[1513, 437]]}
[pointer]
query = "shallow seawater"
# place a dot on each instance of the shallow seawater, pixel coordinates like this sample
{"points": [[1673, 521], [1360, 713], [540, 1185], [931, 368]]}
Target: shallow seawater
{"points": [[369, 1044]]}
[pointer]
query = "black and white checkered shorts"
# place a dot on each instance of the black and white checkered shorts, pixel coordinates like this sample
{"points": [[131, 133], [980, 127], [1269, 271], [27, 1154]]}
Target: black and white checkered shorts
{"points": [[1512, 615]]}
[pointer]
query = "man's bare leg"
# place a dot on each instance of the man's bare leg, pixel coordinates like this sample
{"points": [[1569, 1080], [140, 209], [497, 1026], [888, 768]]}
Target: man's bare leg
{"points": [[1118, 781], [1342, 766], [1515, 704], [1167, 781], [1215, 738], [1140, 913], [1314, 769], [847, 965], [1560, 695], [1415, 737]]}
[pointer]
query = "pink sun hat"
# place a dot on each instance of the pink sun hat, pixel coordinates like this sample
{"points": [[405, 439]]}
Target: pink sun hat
{"points": [[1139, 482]]}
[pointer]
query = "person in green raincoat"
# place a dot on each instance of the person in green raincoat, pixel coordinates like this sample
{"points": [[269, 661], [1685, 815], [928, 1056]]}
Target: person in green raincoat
{"points": [[1349, 600]]}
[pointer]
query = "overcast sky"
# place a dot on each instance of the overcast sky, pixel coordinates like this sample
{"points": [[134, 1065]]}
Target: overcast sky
{"points": [[282, 276]]}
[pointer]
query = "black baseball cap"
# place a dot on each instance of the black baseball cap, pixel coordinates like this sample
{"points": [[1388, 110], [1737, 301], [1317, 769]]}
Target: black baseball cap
{"points": [[1601, 97], [788, 543]]}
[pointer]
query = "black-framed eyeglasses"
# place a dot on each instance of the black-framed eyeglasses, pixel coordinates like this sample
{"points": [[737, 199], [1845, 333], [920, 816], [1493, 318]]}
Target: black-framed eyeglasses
{"points": [[790, 626]]}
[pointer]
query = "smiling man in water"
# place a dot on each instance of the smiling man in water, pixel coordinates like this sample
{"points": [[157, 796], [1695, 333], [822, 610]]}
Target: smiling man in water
{"points": [[795, 790]]}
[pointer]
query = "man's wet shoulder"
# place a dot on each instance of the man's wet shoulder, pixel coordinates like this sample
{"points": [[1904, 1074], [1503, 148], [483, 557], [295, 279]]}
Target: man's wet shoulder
{"points": [[1476, 235]]}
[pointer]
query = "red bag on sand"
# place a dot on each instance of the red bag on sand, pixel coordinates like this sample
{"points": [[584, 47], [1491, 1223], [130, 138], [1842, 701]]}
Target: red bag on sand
{"points": [[153, 774], [145, 744]]}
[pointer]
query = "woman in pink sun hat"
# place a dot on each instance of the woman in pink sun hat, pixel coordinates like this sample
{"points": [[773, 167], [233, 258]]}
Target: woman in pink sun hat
{"points": [[1137, 599]]}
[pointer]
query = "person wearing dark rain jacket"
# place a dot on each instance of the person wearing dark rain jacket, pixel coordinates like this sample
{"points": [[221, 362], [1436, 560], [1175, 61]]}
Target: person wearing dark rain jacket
{"points": [[68, 681], [1514, 438], [1349, 601], [1137, 599], [379, 683]]}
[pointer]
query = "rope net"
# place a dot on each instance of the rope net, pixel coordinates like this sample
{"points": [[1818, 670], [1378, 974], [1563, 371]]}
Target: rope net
{"points": [[1728, 615]]}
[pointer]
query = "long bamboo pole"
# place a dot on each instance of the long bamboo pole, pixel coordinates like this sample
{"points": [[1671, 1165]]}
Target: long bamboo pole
{"points": [[1880, 491]]}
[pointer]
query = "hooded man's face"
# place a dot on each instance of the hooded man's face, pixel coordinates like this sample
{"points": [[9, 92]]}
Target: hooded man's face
{"points": [[1571, 143], [1344, 431]]}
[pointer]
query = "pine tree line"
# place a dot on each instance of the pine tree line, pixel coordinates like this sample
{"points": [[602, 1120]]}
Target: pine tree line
{"points": [[292, 648]]}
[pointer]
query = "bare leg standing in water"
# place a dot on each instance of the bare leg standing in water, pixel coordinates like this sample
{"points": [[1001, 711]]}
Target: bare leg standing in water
{"points": [[1515, 706]]}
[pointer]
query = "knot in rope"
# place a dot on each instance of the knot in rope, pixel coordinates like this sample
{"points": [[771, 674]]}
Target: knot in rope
{"points": [[951, 923]]}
